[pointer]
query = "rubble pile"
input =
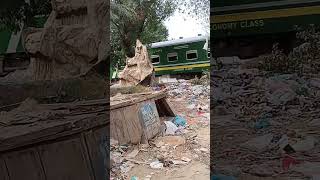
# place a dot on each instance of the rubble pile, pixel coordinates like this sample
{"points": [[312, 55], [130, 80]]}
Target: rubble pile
{"points": [[264, 122]]}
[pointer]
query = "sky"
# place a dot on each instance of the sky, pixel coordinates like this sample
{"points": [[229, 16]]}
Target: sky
{"points": [[181, 25]]}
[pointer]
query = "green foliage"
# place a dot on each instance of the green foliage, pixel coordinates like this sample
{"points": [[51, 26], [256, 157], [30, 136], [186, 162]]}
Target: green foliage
{"points": [[137, 19], [196, 9], [15, 12]]}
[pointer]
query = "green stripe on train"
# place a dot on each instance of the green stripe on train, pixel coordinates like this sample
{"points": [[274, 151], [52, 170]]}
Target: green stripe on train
{"points": [[263, 26]]}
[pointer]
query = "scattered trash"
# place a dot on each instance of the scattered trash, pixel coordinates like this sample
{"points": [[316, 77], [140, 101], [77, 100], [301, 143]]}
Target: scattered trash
{"points": [[148, 177], [185, 159], [282, 96], [133, 153], [113, 142], [179, 121], [166, 150], [288, 162], [116, 157], [134, 178], [289, 105], [262, 123], [156, 165], [171, 128], [283, 142], [305, 145], [289, 149], [177, 162]]}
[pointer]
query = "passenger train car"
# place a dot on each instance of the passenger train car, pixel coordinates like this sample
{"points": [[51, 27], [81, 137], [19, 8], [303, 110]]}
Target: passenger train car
{"points": [[247, 28], [181, 56]]}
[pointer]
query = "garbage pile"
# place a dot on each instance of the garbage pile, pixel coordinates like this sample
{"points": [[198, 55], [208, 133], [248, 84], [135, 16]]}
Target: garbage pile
{"points": [[197, 96], [184, 88], [177, 146], [265, 124]]}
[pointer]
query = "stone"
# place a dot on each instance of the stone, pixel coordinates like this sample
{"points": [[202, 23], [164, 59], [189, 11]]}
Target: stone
{"points": [[171, 140], [204, 150]]}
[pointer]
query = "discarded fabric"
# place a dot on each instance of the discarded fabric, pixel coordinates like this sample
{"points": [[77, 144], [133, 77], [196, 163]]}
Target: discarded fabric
{"points": [[179, 121]]}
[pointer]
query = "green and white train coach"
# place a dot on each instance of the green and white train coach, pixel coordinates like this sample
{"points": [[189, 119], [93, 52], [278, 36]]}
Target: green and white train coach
{"points": [[181, 56]]}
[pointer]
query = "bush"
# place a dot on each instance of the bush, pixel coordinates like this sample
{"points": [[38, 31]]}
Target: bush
{"points": [[303, 59]]}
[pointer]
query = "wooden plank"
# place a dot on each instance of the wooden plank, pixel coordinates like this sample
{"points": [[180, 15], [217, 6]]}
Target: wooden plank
{"points": [[134, 124], [17, 136], [54, 106], [65, 160], [24, 164], [116, 118], [123, 121], [3, 170], [138, 99], [97, 142], [75, 104], [113, 132]]}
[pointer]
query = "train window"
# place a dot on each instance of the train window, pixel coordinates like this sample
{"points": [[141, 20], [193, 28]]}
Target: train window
{"points": [[155, 59], [172, 57], [192, 54], [209, 55]]}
